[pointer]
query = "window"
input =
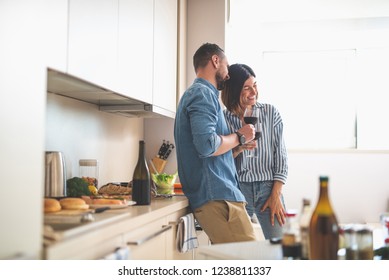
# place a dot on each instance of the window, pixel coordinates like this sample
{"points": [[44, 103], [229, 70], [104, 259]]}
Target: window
{"points": [[326, 74], [313, 93], [373, 113]]}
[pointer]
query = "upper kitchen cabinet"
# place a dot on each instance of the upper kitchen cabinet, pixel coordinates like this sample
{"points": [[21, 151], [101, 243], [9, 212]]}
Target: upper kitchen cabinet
{"points": [[128, 47], [135, 49], [92, 43], [165, 54]]}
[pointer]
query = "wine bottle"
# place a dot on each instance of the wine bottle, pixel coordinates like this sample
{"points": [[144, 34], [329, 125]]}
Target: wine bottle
{"points": [[141, 179], [323, 227]]}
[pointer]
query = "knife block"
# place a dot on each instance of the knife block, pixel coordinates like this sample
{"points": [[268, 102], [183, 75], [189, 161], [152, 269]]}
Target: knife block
{"points": [[159, 165]]}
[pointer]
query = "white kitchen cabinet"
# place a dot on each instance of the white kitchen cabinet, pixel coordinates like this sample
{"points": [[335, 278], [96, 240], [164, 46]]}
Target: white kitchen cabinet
{"points": [[135, 49], [171, 246], [157, 240], [92, 45], [127, 46], [85, 248], [165, 54], [148, 242], [148, 231]]}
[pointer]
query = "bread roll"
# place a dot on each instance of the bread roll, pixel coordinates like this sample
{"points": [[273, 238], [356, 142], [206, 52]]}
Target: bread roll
{"points": [[114, 189], [107, 201], [73, 203], [87, 199], [51, 205]]}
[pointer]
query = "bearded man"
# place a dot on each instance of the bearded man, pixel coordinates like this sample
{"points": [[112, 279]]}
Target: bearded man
{"points": [[204, 152]]}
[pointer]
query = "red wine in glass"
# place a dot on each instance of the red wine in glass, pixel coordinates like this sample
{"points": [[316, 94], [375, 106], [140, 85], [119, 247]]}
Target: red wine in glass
{"points": [[251, 120], [250, 116]]}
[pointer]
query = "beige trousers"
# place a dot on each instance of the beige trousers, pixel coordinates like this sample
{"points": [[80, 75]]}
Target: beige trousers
{"points": [[225, 221]]}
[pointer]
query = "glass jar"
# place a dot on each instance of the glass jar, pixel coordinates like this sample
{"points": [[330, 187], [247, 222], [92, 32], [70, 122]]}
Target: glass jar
{"points": [[89, 171], [291, 238], [364, 237], [350, 243]]}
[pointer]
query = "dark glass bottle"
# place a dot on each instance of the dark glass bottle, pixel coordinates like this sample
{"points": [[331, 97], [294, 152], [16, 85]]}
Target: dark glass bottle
{"points": [[141, 179], [323, 227]]}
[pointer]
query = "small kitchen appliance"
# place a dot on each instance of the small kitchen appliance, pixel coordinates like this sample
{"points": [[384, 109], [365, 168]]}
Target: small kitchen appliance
{"points": [[55, 174]]}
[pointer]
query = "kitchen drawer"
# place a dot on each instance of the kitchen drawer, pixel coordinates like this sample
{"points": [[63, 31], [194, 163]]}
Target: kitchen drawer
{"points": [[148, 242], [175, 216], [76, 252]]}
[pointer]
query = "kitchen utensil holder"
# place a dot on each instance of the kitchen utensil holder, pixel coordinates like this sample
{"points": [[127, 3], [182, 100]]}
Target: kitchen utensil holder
{"points": [[159, 165]]}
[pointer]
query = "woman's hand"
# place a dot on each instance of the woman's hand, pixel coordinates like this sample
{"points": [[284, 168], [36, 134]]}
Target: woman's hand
{"points": [[247, 146], [250, 145], [275, 204]]}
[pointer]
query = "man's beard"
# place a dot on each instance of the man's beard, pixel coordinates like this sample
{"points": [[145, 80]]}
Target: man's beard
{"points": [[220, 82]]}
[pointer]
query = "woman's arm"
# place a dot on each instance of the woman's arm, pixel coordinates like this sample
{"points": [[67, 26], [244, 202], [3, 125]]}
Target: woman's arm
{"points": [[275, 204], [231, 141]]}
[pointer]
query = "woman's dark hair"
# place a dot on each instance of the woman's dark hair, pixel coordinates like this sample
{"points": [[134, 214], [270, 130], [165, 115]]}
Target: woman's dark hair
{"points": [[205, 53], [230, 96]]}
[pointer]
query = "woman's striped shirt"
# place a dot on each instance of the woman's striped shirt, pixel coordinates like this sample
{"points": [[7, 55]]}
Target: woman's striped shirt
{"points": [[272, 160]]}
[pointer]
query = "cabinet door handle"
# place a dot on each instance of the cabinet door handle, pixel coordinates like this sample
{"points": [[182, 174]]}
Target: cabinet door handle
{"points": [[147, 238]]}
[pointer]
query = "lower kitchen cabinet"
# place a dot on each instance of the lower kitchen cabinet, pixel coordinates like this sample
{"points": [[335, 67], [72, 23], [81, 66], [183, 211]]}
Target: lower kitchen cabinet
{"points": [[149, 241], [93, 246], [148, 232], [157, 240], [172, 252]]}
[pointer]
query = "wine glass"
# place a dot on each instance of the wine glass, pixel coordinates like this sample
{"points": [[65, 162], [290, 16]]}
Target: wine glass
{"points": [[251, 116]]}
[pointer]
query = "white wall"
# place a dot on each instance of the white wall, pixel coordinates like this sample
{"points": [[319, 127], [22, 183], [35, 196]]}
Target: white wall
{"points": [[359, 186], [206, 24], [81, 131], [157, 130]]}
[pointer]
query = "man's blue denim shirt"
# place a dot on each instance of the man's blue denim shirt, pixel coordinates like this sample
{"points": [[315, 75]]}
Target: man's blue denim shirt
{"points": [[199, 121]]}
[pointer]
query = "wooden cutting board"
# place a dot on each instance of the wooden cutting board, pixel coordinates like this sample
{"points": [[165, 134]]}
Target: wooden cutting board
{"points": [[64, 212]]}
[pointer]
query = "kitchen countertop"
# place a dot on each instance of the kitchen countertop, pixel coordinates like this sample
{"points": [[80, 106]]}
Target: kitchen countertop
{"points": [[107, 225]]}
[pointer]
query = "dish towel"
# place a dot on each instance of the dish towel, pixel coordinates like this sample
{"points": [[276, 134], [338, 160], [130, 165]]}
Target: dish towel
{"points": [[186, 234]]}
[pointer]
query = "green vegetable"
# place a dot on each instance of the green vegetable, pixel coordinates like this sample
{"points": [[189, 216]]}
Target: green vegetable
{"points": [[164, 182], [76, 187]]}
